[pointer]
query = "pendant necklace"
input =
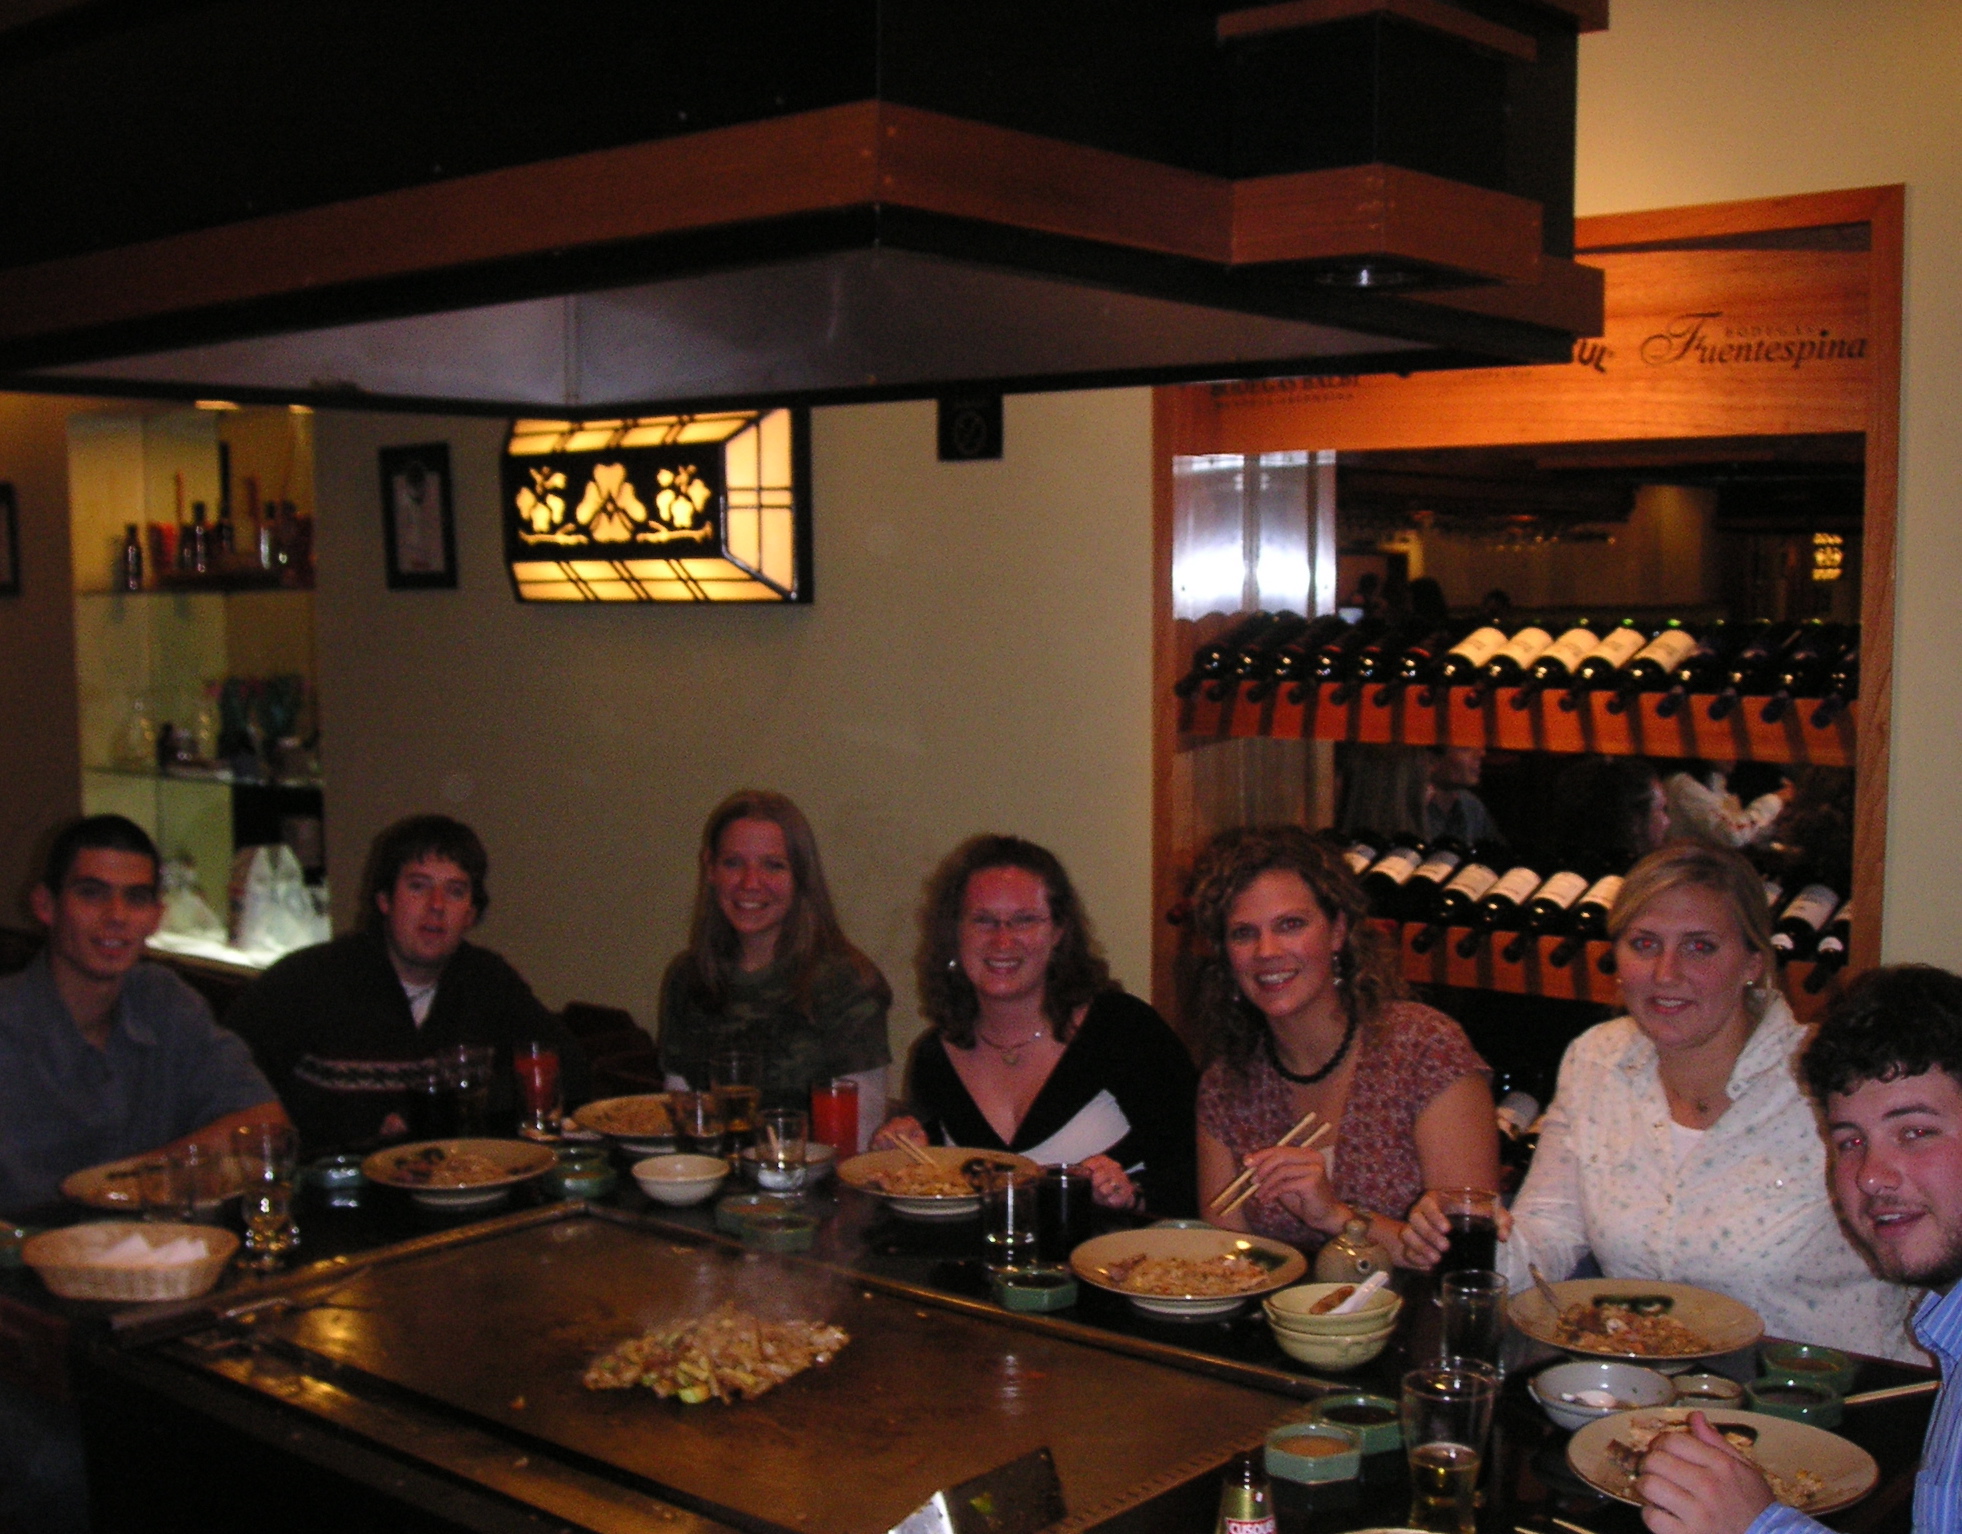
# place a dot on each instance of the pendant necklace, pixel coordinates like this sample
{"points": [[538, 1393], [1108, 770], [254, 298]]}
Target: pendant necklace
{"points": [[1328, 1066], [1011, 1054]]}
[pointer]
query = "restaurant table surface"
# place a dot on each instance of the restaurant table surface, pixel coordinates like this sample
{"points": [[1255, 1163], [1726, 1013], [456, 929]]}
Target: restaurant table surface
{"points": [[860, 1235]]}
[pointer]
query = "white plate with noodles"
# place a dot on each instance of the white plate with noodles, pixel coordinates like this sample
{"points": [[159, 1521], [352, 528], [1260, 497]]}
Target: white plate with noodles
{"points": [[1637, 1320], [642, 1124], [1808, 1468], [459, 1174], [1184, 1274], [937, 1192]]}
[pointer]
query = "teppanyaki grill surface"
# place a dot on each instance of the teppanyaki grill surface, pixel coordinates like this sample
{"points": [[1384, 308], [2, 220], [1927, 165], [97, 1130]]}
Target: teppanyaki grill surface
{"points": [[922, 1398]]}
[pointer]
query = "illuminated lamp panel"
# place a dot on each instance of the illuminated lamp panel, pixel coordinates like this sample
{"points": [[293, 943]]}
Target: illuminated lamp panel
{"points": [[702, 508]]}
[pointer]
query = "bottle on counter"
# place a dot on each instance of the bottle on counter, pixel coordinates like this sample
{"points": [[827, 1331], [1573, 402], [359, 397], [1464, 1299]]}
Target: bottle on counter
{"points": [[1502, 908], [129, 563], [1461, 664], [1458, 899], [1589, 923], [1600, 667], [1246, 1499], [1210, 662]]}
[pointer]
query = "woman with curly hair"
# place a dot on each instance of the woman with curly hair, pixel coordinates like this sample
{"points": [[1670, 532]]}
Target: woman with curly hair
{"points": [[1305, 1011], [1034, 1048], [767, 968]]}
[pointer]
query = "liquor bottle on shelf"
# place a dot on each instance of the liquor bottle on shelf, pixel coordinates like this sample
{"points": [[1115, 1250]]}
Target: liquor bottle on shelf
{"points": [[200, 561], [1502, 908], [1441, 860], [1558, 663], [1331, 662], [1702, 670], [1462, 662], [129, 563], [1806, 666], [1601, 665], [1374, 659], [1550, 910], [1211, 660], [1799, 926], [1416, 661], [1384, 880], [1278, 662], [1752, 668], [1253, 661], [1649, 670], [1842, 686], [1833, 949], [1458, 899], [1589, 923], [1507, 667]]}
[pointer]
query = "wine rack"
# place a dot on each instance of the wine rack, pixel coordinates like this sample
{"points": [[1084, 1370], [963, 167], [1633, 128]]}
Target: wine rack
{"points": [[1535, 974], [1542, 725]]}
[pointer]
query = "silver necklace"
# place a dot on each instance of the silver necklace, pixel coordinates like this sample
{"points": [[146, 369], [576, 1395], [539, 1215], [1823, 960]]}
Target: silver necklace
{"points": [[1011, 1054]]}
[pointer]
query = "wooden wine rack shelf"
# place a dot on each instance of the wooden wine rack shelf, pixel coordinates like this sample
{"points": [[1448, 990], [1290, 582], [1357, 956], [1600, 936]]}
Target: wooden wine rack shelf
{"points": [[1541, 726], [1535, 974]]}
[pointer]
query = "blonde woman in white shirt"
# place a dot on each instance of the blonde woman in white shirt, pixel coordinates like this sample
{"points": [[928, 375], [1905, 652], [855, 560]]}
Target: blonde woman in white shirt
{"points": [[1679, 1145]]}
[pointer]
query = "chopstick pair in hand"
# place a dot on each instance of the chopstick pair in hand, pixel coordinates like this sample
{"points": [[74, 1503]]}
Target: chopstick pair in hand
{"points": [[1246, 1177]]}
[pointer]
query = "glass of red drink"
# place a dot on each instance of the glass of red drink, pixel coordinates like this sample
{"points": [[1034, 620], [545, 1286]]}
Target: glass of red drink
{"points": [[834, 1115], [540, 1102]]}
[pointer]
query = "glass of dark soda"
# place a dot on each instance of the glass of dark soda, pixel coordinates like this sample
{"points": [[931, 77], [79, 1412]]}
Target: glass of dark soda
{"points": [[1473, 1216]]}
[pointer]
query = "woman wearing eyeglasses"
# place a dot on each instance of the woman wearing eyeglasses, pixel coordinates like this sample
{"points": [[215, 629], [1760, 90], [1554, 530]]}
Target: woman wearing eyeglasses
{"points": [[1033, 1047]]}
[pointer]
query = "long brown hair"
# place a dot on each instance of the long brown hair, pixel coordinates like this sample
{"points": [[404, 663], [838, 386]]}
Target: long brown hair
{"points": [[1077, 971], [811, 935], [1235, 1027]]}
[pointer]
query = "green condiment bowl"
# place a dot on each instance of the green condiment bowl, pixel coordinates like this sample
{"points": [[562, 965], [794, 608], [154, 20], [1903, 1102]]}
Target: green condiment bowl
{"points": [[1797, 1400], [1373, 1419], [1809, 1363], [1314, 1452]]}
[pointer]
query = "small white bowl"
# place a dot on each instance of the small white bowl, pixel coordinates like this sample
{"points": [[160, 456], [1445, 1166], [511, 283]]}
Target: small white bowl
{"points": [[1632, 1387], [1333, 1353], [680, 1180], [1290, 1308]]}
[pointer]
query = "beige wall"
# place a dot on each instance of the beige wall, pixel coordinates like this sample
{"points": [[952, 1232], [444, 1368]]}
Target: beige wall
{"points": [[977, 658], [1688, 101], [40, 763]]}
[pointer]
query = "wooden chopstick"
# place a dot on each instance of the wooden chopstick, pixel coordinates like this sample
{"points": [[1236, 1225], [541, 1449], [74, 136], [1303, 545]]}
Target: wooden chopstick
{"points": [[1308, 1144], [1893, 1393], [1246, 1175], [917, 1152]]}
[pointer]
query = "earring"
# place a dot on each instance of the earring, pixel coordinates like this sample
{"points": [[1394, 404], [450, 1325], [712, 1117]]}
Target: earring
{"points": [[952, 965]]}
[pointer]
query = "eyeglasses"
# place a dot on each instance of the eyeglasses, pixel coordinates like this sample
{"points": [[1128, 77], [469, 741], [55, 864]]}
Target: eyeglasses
{"points": [[1023, 924]]}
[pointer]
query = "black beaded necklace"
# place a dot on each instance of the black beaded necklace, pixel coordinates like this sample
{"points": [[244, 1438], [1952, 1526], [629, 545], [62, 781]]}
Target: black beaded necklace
{"points": [[1328, 1066]]}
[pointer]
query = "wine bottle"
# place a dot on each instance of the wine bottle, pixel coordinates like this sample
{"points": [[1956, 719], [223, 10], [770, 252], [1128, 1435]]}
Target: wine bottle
{"points": [[1416, 661], [1518, 1117], [1331, 662], [1752, 668], [1463, 661], [1508, 666], [1805, 667], [1246, 1498], [1649, 670], [1842, 686], [1702, 670], [1457, 900], [1211, 660], [1501, 908], [1796, 932], [1362, 849], [1441, 860], [1373, 661], [1599, 667], [1280, 662], [129, 564], [1384, 880], [1833, 949], [1252, 661], [1550, 910], [1558, 663], [1589, 923]]}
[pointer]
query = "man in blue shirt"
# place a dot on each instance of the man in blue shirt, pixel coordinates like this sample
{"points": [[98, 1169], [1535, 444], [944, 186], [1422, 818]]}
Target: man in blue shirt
{"points": [[1887, 1068]]}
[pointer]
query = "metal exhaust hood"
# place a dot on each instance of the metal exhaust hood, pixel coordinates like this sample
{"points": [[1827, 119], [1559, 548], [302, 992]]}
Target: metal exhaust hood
{"points": [[591, 207]]}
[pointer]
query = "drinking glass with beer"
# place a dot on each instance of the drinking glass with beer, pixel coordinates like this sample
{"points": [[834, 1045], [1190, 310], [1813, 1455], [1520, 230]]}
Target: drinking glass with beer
{"points": [[1447, 1417], [733, 1078], [267, 1155]]}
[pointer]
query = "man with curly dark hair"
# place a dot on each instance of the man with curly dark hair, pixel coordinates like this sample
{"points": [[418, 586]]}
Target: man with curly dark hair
{"points": [[1886, 1070]]}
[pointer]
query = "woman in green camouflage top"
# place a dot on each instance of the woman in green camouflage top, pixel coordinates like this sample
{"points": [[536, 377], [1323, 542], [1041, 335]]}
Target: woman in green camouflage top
{"points": [[767, 969]]}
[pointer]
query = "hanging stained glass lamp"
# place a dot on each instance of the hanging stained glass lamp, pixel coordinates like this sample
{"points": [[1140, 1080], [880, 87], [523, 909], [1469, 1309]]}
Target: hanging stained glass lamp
{"points": [[677, 508]]}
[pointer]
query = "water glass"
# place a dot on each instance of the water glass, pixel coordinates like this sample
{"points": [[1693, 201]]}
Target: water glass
{"points": [[160, 1189], [267, 1157], [699, 1123], [540, 1098], [1009, 1216], [1474, 1304], [203, 1179], [1447, 1417], [780, 1139]]}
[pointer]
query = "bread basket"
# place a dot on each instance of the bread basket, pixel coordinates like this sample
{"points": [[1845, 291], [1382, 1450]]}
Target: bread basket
{"points": [[69, 1261]]}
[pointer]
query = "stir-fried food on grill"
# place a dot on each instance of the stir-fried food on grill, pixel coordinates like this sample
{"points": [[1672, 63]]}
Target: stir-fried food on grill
{"points": [[1627, 1328], [1188, 1277], [728, 1354]]}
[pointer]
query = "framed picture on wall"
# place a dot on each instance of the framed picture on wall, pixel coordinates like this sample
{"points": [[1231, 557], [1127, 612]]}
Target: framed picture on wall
{"points": [[9, 543], [418, 522]]}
